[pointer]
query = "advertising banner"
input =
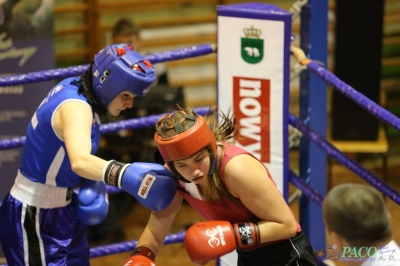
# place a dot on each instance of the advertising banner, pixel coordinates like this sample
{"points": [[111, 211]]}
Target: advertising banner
{"points": [[253, 80], [26, 45]]}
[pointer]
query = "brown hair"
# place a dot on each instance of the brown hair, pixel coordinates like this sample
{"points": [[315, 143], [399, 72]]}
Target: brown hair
{"points": [[358, 213], [125, 27]]}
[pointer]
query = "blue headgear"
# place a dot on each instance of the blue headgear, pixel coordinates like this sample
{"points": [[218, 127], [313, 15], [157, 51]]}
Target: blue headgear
{"points": [[118, 68]]}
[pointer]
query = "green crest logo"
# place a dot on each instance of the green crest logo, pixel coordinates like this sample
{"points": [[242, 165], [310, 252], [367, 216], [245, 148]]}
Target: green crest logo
{"points": [[252, 48]]}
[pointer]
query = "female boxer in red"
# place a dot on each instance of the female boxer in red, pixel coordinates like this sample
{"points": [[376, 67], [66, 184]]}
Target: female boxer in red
{"points": [[231, 189]]}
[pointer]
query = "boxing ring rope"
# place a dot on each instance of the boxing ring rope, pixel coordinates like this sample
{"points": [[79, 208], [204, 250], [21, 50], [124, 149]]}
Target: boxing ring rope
{"points": [[359, 98], [130, 245], [345, 160], [373, 108], [134, 123], [177, 54], [308, 191]]}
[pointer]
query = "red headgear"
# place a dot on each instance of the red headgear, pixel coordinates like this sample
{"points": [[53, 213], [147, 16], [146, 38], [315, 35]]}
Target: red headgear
{"points": [[187, 142]]}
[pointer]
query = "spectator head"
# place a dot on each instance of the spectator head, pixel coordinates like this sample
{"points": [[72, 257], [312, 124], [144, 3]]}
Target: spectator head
{"points": [[357, 214], [125, 31]]}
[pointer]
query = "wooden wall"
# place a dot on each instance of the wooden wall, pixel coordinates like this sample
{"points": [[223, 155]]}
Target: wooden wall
{"points": [[82, 28]]}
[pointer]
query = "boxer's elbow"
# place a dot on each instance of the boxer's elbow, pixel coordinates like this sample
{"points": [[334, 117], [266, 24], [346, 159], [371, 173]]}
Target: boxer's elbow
{"points": [[79, 165], [291, 227]]}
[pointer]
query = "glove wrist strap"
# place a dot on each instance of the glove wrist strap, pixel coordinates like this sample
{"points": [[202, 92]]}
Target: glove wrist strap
{"points": [[144, 251], [113, 172], [247, 235]]}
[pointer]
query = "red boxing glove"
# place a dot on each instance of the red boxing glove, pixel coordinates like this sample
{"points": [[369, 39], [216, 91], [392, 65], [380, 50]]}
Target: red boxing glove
{"points": [[141, 256], [210, 240]]}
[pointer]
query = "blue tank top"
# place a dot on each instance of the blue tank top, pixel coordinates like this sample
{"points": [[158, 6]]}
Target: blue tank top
{"points": [[44, 158]]}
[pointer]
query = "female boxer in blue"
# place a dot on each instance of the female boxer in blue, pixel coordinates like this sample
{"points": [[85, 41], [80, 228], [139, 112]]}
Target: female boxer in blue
{"points": [[42, 220]]}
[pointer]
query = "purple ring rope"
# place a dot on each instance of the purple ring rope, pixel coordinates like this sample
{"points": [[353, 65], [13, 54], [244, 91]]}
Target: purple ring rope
{"points": [[32, 77], [135, 123], [51, 74], [130, 245], [345, 160], [372, 107], [308, 191], [182, 53], [108, 128], [142, 122]]}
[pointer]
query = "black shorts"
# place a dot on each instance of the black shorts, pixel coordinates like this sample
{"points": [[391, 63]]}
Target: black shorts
{"points": [[294, 252]]}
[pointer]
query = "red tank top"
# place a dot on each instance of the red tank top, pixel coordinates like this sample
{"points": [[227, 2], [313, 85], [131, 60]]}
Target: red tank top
{"points": [[234, 212]]}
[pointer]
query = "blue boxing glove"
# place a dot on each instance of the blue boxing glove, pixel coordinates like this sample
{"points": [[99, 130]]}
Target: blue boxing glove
{"points": [[92, 202], [151, 184]]}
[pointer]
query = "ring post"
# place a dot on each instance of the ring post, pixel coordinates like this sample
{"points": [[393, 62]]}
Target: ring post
{"points": [[313, 94]]}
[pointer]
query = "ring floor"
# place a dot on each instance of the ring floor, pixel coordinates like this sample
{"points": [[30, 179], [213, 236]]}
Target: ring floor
{"points": [[175, 254]]}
